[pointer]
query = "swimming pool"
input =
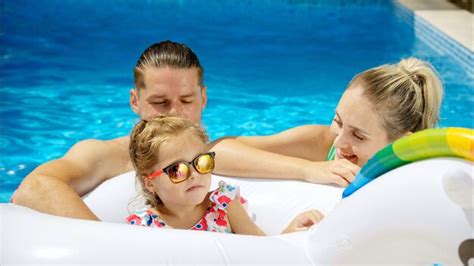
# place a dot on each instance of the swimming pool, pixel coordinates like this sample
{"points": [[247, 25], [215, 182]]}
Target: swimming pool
{"points": [[66, 66]]}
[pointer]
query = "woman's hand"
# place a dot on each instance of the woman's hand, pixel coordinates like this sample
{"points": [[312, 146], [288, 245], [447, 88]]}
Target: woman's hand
{"points": [[304, 221], [340, 171]]}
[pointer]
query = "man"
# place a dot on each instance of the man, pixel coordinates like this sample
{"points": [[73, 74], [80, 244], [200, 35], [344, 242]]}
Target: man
{"points": [[168, 80]]}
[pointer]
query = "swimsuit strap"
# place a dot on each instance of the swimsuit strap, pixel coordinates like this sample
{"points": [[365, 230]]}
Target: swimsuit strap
{"points": [[331, 154]]}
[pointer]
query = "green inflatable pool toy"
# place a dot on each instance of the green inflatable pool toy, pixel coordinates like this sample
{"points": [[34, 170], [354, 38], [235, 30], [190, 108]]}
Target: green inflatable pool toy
{"points": [[429, 143]]}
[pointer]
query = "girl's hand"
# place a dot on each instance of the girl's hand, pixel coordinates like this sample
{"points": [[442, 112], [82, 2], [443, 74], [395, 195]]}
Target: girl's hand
{"points": [[340, 171], [304, 221]]}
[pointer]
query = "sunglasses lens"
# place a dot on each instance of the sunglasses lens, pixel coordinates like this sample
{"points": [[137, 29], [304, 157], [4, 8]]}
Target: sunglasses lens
{"points": [[204, 164], [178, 172]]}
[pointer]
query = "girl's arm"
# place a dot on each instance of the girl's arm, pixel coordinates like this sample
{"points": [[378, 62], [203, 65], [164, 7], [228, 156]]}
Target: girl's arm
{"points": [[240, 221], [304, 221]]}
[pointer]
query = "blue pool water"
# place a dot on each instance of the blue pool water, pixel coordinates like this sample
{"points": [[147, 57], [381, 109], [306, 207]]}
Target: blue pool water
{"points": [[66, 66]]}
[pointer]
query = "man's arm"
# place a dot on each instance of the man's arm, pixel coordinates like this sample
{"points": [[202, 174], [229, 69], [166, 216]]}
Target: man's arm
{"points": [[56, 187]]}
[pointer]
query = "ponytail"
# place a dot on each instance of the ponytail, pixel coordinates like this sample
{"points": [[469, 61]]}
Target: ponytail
{"points": [[406, 96]]}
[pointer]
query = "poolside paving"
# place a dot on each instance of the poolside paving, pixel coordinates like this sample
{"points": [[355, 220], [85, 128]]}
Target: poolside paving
{"points": [[453, 21]]}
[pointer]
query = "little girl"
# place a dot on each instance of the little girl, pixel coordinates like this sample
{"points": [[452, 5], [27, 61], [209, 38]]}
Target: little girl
{"points": [[172, 162]]}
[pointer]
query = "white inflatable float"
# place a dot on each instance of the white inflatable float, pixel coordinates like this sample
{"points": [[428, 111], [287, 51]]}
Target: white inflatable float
{"points": [[418, 213]]}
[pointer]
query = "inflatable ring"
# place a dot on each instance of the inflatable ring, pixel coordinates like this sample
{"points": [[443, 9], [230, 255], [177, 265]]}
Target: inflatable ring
{"points": [[429, 143], [426, 225]]}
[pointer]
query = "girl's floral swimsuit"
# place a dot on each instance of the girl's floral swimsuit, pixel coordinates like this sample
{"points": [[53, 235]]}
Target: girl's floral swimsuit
{"points": [[213, 220]]}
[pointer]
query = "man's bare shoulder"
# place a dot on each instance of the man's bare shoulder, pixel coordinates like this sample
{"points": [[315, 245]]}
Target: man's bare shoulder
{"points": [[108, 158], [97, 145], [123, 141]]}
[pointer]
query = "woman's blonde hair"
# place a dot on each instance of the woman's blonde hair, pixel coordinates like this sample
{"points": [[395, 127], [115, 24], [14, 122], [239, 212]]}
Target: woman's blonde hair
{"points": [[406, 96], [146, 139]]}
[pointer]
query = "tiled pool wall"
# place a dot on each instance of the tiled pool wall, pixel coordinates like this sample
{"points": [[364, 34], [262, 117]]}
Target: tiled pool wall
{"points": [[436, 39]]}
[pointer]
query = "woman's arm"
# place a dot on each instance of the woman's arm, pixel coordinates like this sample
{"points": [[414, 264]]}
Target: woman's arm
{"points": [[297, 153], [309, 142], [283, 155]]}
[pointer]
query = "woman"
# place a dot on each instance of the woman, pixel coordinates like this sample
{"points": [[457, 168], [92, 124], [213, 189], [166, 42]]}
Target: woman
{"points": [[379, 106]]}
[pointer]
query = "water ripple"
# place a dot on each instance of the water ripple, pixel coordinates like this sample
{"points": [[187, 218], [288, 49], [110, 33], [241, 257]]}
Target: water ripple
{"points": [[64, 78]]}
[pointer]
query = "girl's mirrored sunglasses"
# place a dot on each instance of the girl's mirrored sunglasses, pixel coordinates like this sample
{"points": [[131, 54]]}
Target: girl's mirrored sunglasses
{"points": [[180, 171]]}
